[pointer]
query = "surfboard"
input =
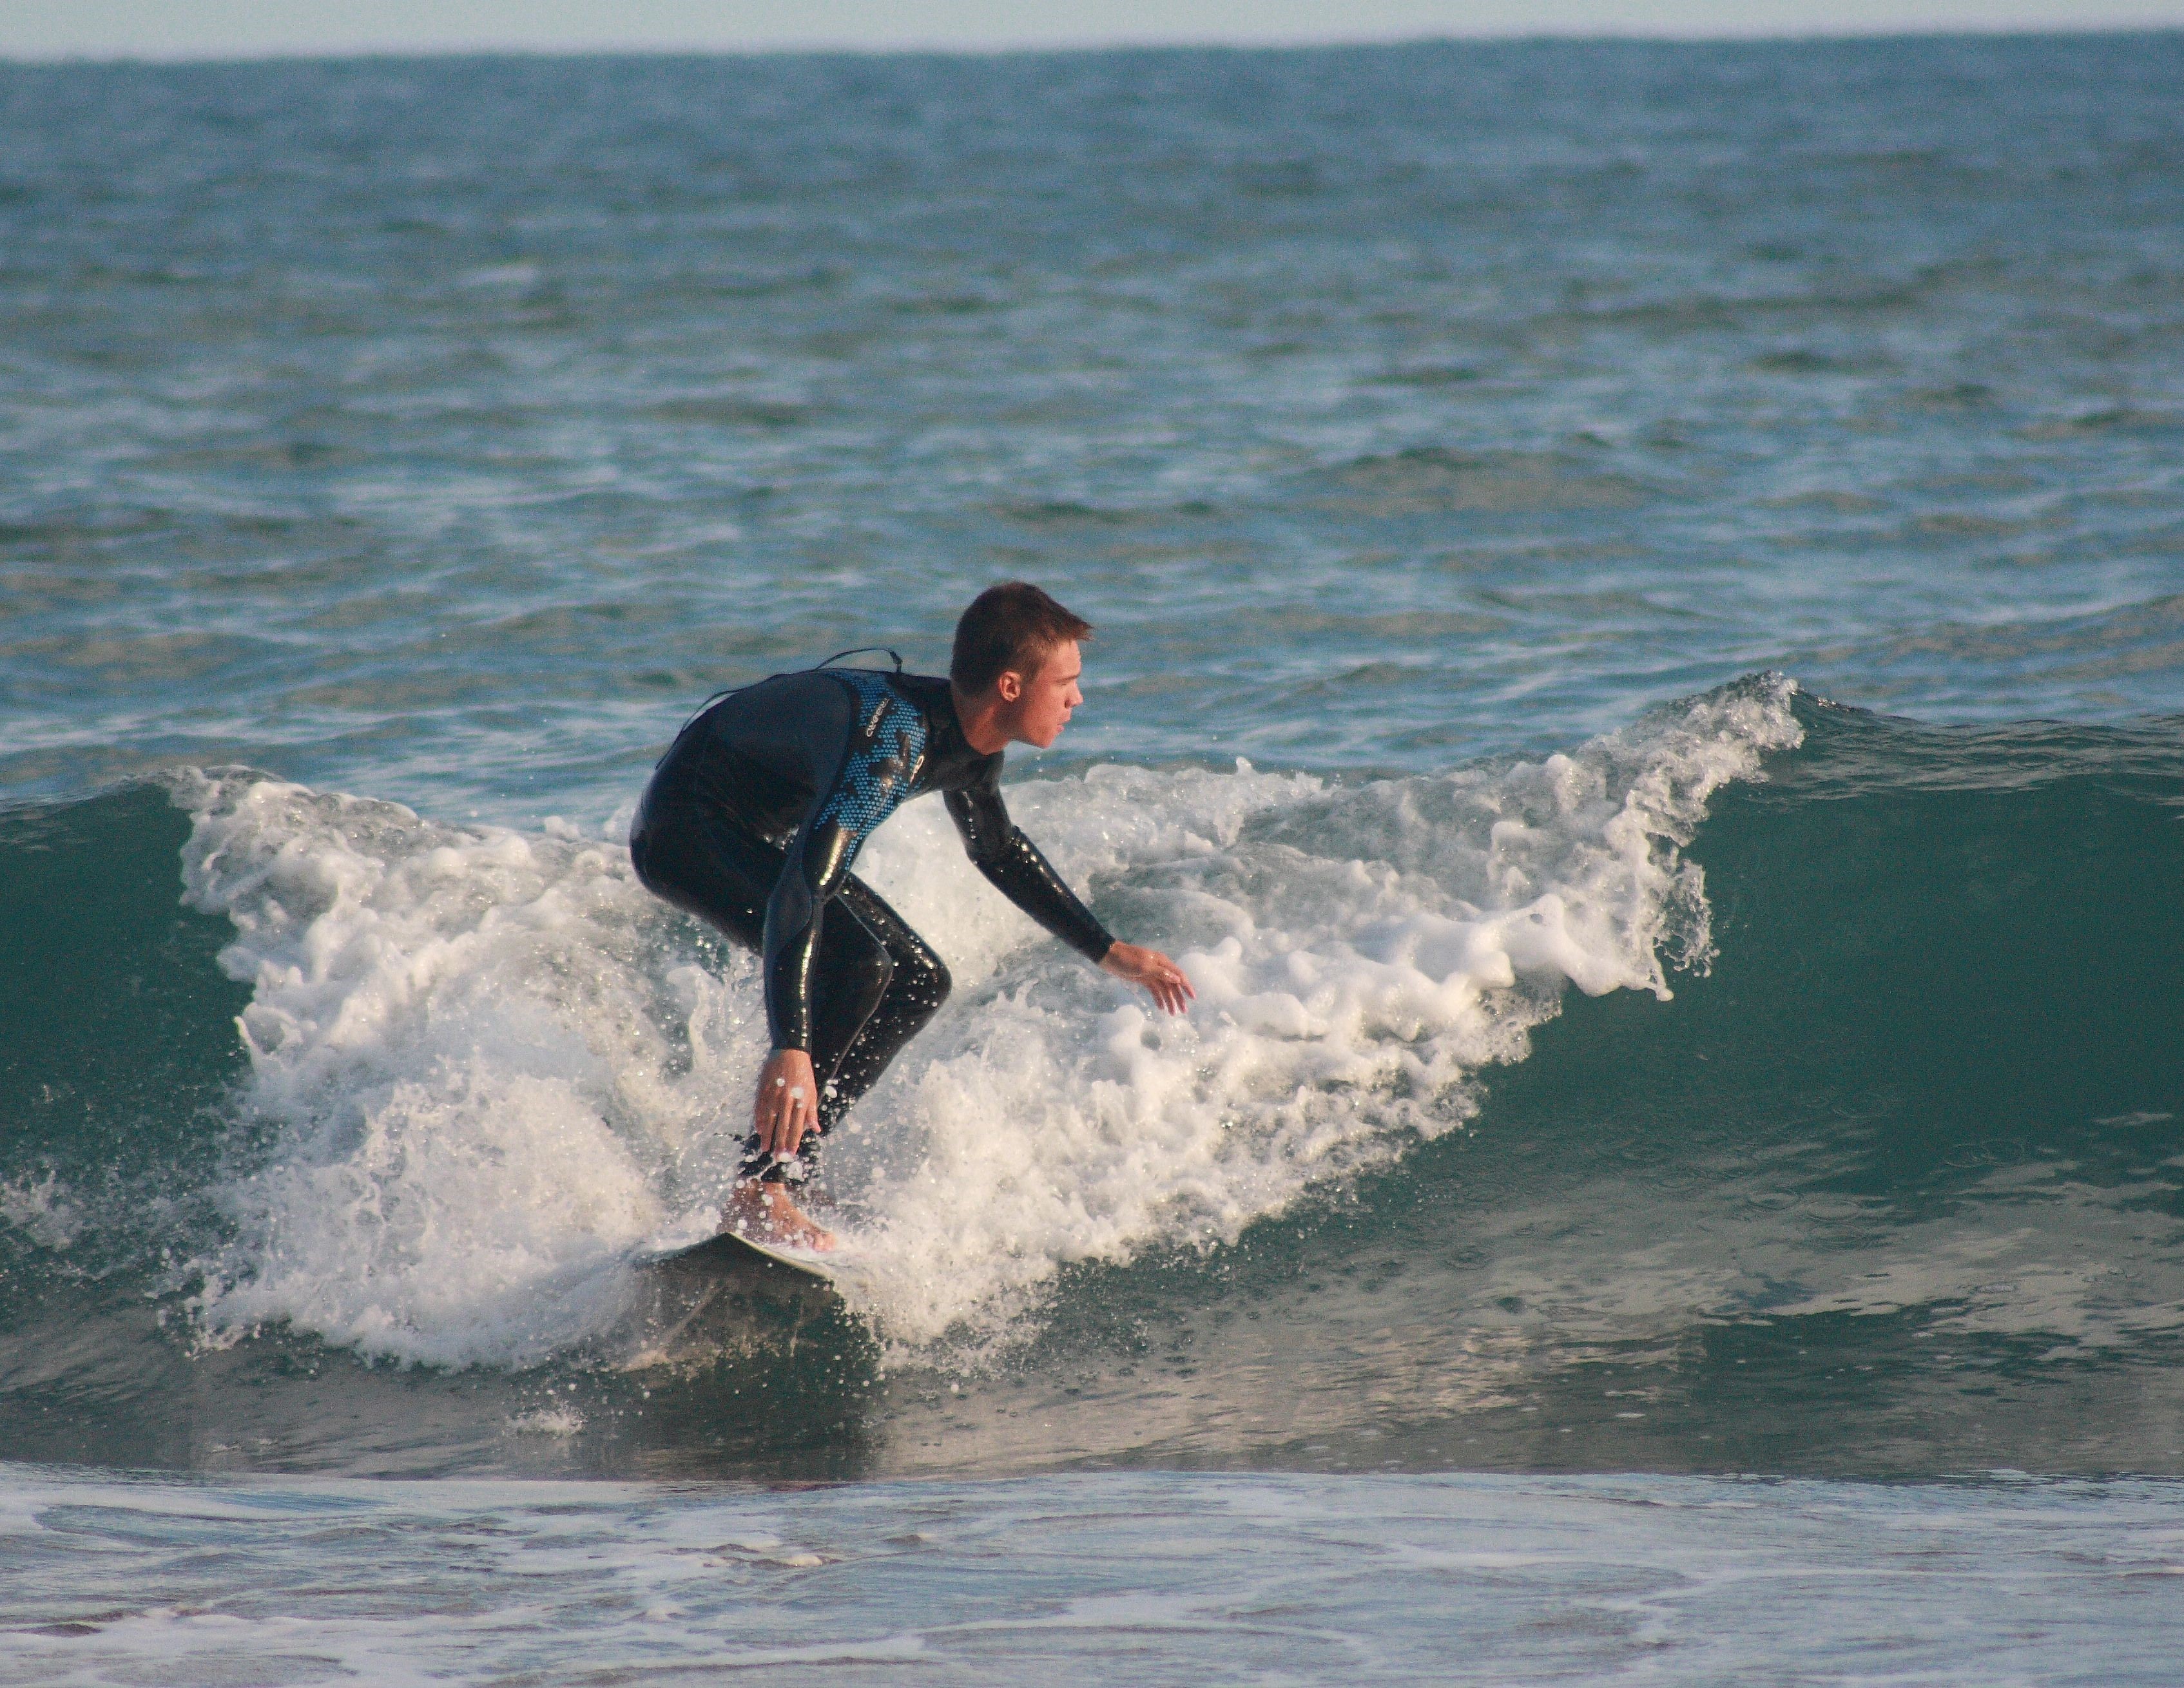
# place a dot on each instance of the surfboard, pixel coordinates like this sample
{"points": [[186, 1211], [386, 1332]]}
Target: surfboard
{"points": [[728, 1251], [727, 1292]]}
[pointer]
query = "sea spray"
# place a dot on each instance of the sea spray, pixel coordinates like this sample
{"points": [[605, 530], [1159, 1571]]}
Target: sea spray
{"points": [[449, 1045], [490, 1067]]}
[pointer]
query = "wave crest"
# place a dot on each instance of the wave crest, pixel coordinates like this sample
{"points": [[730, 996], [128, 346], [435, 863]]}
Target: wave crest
{"points": [[492, 1068]]}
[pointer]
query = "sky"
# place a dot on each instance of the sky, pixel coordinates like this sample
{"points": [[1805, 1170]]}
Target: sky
{"points": [[220, 29]]}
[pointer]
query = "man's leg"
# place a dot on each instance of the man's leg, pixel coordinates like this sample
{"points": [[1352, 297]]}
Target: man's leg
{"points": [[690, 856], [858, 988], [852, 975], [877, 983], [915, 985], [869, 965]]}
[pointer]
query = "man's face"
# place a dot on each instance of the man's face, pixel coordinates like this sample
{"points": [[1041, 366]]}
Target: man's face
{"points": [[1048, 696]]}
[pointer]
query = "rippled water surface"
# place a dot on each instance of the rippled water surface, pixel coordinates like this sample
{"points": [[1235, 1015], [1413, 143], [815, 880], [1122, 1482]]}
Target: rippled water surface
{"points": [[1067, 1580], [442, 429]]}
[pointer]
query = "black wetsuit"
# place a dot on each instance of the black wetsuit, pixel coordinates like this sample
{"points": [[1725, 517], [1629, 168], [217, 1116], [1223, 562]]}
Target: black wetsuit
{"points": [[751, 823]]}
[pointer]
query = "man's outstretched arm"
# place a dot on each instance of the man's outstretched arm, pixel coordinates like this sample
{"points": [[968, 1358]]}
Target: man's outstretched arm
{"points": [[1013, 864]]}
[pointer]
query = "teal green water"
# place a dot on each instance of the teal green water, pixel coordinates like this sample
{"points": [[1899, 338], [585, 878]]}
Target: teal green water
{"points": [[1892, 1189]]}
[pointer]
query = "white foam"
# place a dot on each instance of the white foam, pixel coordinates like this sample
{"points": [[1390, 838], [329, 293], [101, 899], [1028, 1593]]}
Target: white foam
{"points": [[41, 1207], [548, 1421], [491, 1065], [472, 1090], [1358, 952]]}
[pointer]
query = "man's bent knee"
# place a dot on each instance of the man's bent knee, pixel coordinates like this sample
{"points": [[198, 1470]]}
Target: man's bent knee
{"points": [[924, 979]]}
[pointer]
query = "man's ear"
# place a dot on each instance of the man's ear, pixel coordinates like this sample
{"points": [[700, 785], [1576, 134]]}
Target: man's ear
{"points": [[1009, 686]]}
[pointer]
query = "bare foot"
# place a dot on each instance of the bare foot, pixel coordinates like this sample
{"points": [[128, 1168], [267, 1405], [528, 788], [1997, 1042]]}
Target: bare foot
{"points": [[764, 1213]]}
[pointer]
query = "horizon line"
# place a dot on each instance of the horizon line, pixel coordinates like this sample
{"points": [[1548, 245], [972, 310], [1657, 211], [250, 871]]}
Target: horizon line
{"points": [[946, 49]]}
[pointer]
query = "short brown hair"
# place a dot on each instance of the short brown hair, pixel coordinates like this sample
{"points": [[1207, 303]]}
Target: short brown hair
{"points": [[1013, 625]]}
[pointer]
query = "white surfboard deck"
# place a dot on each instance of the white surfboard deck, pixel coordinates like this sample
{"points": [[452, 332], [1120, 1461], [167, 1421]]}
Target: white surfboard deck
{"points": [[730, 1249]]}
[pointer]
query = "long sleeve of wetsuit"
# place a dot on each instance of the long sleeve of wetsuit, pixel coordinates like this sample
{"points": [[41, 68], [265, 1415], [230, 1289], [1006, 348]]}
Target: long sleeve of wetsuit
{"points": [[1012, 862], [818, 860]]}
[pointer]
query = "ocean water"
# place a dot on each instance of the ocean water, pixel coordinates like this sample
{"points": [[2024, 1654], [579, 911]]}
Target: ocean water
{"points": [[1641, 668]]}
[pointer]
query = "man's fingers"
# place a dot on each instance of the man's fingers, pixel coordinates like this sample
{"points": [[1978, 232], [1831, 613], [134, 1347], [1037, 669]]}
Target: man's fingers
{"points": [[1175, 987], [787, 1128], [786, 1107], [773, 1126], [1168, 993]]}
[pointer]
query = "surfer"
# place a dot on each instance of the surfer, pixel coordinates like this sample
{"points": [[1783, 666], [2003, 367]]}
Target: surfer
{"points": [[754, 814]]}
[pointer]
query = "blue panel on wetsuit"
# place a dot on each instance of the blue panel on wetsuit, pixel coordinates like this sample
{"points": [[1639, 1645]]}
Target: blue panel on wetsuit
{"points": [[880, 771]]}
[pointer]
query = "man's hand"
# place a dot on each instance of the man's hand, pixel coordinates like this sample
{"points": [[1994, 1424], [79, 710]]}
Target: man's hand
{"points": [[1152, 970], [787, 1105]]}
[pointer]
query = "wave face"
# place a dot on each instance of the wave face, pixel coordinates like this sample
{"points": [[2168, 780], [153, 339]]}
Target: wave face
{"points": [[1764, 1084]]}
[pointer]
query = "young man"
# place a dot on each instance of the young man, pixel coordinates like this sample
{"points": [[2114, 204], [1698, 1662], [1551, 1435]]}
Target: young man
{"points": [[757, 810]]}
